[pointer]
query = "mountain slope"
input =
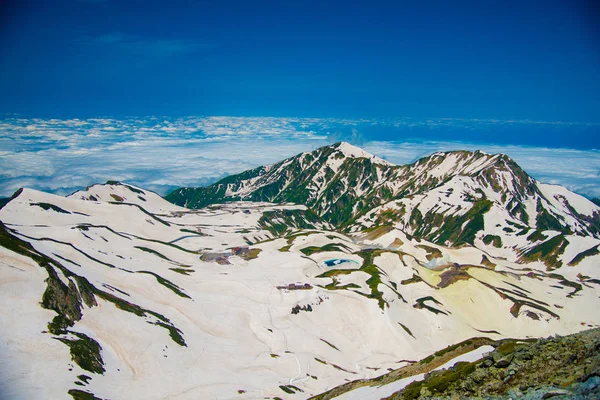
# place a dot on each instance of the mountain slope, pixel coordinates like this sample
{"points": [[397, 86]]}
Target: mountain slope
{"points": [[555, 367], [129, 298], [329, 180], [122, 294], [448, 198]]}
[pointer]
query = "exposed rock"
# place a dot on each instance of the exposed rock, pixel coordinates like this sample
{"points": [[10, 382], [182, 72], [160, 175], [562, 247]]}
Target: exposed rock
{"points": [[504, 361], [554, 393], [552, 368]]}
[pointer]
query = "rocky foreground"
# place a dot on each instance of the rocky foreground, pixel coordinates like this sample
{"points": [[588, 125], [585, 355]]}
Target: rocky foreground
{"points": [[556, 367]]}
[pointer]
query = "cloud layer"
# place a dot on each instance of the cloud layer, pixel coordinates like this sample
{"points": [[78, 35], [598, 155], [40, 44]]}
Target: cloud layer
{"points": [[160, 154]]}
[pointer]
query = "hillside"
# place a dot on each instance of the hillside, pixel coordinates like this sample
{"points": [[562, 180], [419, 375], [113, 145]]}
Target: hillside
{"points": [[452, 199], [555, 367], [122, 294]]}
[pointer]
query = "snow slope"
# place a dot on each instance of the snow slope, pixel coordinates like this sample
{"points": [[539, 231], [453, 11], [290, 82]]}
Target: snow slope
{"points": [[173, 324]]}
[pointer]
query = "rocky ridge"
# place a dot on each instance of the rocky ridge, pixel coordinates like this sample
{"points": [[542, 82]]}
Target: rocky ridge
{"points": [[452, 199], [558, 367]]}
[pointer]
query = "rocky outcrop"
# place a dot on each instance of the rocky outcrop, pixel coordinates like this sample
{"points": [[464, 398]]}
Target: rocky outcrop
{"points": [[556, 367]]}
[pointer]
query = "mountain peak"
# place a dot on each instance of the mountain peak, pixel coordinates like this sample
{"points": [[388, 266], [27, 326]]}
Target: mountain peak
{"points": [[351, 151]]}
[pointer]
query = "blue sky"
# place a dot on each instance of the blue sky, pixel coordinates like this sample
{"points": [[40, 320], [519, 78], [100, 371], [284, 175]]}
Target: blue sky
{"points": [[535, 60], [92, 90]]}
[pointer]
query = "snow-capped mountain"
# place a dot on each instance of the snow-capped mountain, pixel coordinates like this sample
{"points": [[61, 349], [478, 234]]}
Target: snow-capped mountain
{"points": [[329, 180], [113, 292], [452, 199]]}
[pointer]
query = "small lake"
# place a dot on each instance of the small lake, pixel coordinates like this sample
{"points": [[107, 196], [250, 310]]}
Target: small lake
{"points": [[337, 261]]}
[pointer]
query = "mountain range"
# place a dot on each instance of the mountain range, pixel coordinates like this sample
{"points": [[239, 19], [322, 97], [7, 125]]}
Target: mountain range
{"points": [[451, 199], [291, 279]]}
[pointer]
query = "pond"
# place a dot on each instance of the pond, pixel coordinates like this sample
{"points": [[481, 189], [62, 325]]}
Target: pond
{"points": [[337, 261]]}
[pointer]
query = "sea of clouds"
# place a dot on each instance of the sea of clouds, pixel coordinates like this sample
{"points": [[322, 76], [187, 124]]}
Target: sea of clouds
{"points": [[160, 154]]}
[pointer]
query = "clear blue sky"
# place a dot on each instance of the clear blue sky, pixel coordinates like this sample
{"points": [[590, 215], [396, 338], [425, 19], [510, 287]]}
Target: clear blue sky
{"points": [[417, 59]]}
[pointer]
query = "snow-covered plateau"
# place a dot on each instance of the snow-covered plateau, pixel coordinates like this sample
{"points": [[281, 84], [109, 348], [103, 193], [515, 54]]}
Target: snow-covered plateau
{"points": [[116, 292]]}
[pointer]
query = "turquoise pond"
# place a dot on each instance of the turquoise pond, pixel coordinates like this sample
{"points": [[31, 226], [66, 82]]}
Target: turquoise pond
{"points": [[337, 261]]}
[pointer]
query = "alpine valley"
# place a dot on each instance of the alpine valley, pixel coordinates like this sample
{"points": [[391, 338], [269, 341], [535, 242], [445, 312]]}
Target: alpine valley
{"points": [[331, 274]]}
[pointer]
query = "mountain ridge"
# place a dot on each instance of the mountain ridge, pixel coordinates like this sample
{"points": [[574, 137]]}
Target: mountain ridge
{"points": [[123, 294], [451, 198]]}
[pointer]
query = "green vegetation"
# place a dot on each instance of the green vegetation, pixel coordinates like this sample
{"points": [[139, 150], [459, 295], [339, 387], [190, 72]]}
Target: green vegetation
{"points": [[495, 240], [519, 211], [173, 245], [368, 267], [166, 283], [154, 217], [85, 352], [334, 285], [413, 368], [406, 329], [565, 282], [547, 252], [432, 252], [581, 256], [135, 190], [420, 303], [290, 389], [330, 345], [415, 279], [65, 300], [427, 359], [452, 347], [486, 262], [182, 271], [191, 231], [439, 381], [507, 347], [360, 173], [328, 247], [117, 197], [285, 248], [174, 333], [472, 220], [151, 251], [445, 351], [546, 221], [77, 394], [48, 206], [389, 217], [341, 369], [286, 389], [376, 231], [281, 222], [536, 236], [86, 227], [141, 312], [4, 201], [525, 368], [252, 254]]}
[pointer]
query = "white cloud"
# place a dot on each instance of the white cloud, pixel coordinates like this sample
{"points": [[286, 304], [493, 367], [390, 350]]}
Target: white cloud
{"points": [[161, 153], [577, 170]]}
